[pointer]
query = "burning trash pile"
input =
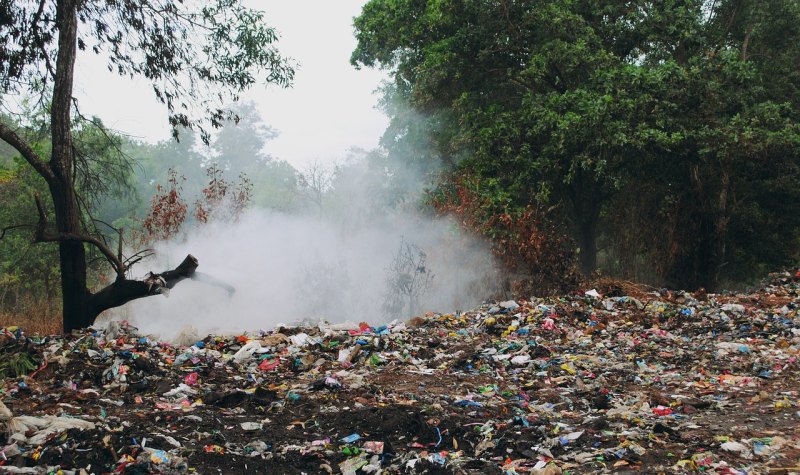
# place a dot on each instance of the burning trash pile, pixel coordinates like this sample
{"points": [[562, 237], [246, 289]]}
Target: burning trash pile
{"points": [[600, 381]]}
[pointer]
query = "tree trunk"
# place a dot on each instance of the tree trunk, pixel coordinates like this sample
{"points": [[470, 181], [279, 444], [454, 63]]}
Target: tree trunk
{"points": [[586, 197], [719, 249], [62, 187], [713, 251], [73, 284], [588, 243], [72, 258]]}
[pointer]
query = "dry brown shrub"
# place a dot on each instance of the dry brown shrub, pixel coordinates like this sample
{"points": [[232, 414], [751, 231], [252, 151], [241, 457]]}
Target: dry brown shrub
{"points": [[539, 258]]}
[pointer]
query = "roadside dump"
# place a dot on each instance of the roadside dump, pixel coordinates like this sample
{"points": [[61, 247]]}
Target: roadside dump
{"points": [[599, 381]]}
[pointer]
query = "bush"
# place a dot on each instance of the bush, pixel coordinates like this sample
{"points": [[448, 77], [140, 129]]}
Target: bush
{"points": [[539, 258]]}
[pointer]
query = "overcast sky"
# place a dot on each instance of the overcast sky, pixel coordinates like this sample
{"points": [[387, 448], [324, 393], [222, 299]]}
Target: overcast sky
{"points": [[330, 108]]}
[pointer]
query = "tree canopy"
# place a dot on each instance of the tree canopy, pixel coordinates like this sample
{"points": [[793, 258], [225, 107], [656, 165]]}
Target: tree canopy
{"points": [[661, 132], [198, 58]]}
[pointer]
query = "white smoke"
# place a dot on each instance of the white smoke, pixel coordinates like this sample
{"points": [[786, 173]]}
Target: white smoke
{"points": [[291, 268]]}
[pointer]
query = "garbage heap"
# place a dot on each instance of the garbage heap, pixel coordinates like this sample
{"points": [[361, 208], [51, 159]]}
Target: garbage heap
{"points": [[599, 381]]}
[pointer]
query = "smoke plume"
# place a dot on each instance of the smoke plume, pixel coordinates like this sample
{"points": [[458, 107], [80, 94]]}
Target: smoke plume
{"points": [[341, 266]]}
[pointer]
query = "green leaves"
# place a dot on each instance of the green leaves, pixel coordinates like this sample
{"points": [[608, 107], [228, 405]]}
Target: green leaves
{"points": [[198, 57], [15, 364], [585, 104]]}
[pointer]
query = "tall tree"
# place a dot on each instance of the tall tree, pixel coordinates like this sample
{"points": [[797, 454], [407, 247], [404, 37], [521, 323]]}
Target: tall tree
{"points": [[240, 143], [197, 58], [578, 104], [523, 92]]}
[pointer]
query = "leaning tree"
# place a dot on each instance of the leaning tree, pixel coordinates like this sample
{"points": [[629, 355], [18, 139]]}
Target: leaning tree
{"points": [[197, 55]]}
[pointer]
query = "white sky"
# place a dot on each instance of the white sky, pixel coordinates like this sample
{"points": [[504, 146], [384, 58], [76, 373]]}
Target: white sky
{"points": [[330, 108]]}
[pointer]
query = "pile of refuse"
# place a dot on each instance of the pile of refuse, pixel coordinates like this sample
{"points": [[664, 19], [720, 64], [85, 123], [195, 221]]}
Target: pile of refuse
{"points": [[598, 381]]}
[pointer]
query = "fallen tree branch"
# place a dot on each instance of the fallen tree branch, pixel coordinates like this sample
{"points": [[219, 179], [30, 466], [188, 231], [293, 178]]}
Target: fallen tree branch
{"points": [[124, 290], [185, 270]]}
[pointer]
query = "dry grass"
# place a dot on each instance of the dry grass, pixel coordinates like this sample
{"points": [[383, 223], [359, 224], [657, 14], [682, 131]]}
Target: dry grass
{"points": [[33, 321]]}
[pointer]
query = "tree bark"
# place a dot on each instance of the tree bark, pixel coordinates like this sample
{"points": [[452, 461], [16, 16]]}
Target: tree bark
{"points": [[587, 198], [80, 306], [62, 186], [123, 291], [588, 243]]}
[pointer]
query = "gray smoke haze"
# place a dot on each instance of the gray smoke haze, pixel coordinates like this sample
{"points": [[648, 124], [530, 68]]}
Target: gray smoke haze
{"points": [[292, 268]]}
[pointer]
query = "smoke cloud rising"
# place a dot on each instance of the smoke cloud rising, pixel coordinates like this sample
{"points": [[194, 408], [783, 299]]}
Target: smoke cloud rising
{"points": [[291, 268]]}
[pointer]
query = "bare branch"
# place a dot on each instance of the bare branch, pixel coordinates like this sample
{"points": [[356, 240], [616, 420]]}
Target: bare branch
{"points": [[130, 262], [520, 82], [16, 226], [119, 245], [41, 235], [122, 291], [144, 253], [103, 222], [137, 257], [11, 137]]}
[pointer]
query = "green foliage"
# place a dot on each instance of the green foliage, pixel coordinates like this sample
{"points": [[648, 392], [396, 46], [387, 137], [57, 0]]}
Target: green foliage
{"points": [[195, 55], [673, 121], [240, 143], [237, 148], [104, 171], [28, 273], [15, 361], [275, 186], [18, 357]]}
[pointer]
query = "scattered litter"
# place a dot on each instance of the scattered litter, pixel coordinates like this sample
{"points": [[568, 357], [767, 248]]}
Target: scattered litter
{"points": [[614, 378]]}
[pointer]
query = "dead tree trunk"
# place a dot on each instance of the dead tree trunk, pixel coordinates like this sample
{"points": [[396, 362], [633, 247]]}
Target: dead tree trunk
{"points": [[123, 290]]}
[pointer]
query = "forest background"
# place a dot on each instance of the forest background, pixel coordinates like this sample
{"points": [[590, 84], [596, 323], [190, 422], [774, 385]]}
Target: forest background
{"points": [[651, 141]]}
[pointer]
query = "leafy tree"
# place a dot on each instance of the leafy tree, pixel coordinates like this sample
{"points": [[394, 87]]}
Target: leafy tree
{"points": [[578, 105], [240, 144], [197, 57], [525, 90], [276, 186], [28, 273], [237, 148]]}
